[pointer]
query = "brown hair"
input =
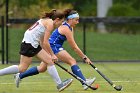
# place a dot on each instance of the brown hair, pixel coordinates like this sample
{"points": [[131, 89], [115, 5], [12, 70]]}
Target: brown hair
{"points": [[54, 14], [68, 12]]}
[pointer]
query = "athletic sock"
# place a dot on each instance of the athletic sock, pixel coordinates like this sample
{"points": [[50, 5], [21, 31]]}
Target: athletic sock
{"points": [[76, 70], [9, 70], [30, 72], [54, 74]]}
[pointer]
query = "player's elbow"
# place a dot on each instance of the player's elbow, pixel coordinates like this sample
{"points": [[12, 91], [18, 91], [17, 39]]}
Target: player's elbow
{"points": [[74, 48]]}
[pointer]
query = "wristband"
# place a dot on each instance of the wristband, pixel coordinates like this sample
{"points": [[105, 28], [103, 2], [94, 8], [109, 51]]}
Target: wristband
{"points": [[85, 57]]}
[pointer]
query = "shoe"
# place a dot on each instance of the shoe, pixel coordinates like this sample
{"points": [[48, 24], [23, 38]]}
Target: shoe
{"points": [[89, 82], [64, 84], [17, 79]]}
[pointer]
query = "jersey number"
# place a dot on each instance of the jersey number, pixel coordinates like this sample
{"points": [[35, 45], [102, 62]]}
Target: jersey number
{"points": [[33, 26]]}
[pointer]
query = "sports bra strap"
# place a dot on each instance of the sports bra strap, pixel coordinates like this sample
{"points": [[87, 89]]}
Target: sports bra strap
{"points": [[65, 23]]}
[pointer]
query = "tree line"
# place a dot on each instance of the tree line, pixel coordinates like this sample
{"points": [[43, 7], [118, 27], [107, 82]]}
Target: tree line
{"points": [[32, 8]]}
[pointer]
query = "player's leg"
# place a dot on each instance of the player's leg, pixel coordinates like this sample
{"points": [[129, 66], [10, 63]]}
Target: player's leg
{"points": [[42, 68], [24, 63], [61, 85], [9, 70], [30, 72], [27, 51], [52, 70], [33, 70], [74, 67], [71, 61]]}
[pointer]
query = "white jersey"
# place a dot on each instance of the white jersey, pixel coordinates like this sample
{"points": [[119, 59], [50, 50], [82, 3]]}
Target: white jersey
{"points": [[34, 33]]}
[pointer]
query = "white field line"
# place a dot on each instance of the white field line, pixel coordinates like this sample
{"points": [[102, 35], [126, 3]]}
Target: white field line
{"points": [[123, 81], [51, 82]]}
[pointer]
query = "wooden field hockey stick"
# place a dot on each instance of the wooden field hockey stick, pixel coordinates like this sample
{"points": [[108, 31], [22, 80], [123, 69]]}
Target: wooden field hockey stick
{"points": [[76, 77]]}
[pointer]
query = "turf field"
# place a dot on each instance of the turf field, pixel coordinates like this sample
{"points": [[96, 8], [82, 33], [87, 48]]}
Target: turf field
{"points": [[125, 74]]}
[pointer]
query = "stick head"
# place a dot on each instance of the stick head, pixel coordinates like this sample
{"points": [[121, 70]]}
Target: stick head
{"points": [[118, 88], [95, 87]]}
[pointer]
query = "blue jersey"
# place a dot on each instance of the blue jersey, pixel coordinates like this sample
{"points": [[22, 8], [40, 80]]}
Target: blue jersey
{"points": [[56, 40]]}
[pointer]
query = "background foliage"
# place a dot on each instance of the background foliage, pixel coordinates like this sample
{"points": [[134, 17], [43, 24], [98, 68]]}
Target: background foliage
{"points": [[32, 8], [126, 45]]}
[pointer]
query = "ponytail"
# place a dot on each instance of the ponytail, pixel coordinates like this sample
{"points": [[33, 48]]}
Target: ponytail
{"points": [[53, 14]]}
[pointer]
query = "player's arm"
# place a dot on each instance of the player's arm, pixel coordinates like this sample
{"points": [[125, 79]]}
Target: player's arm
{"points": [[41, 43], [46, 45], [70, 38]]}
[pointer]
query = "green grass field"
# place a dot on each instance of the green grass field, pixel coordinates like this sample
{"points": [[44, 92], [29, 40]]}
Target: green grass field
{"points": [[125, 74]]}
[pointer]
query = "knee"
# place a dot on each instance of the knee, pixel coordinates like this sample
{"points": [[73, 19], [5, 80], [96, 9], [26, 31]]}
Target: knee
{"points": [[41, 69], [21, 69], [72, 62], [49, 61]]}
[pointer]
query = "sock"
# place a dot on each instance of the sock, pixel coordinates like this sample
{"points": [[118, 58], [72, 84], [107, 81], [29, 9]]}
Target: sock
{"points": [[76, 70], [30, 72], [9, 70], [54, 74]]}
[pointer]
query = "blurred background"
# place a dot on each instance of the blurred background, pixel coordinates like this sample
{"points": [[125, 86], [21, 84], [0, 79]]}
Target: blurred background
{"points": [[109, 30]]}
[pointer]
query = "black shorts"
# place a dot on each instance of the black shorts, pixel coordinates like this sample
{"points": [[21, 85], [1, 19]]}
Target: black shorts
{"points": [[28, 50]]}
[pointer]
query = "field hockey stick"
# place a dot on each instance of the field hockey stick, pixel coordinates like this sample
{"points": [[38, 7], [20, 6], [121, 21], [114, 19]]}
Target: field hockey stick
{"points": [[118, 88], [76, 77]]}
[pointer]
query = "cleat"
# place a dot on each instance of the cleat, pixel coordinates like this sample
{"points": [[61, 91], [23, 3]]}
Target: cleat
{"points": [[17, 79], [64, 84], [89, 82]]}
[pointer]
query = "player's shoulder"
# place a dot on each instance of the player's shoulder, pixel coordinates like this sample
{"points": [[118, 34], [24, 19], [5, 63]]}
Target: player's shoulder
{"points": [[48, 22], [64, 27]]}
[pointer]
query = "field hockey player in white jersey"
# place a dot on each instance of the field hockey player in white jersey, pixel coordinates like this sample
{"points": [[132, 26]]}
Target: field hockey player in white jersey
{"points": [[36, 43]]}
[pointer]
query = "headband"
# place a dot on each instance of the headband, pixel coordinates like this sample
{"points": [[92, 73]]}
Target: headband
{"points": [[73, 16]]}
